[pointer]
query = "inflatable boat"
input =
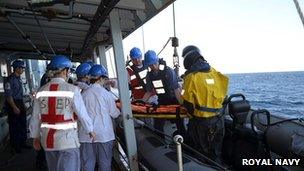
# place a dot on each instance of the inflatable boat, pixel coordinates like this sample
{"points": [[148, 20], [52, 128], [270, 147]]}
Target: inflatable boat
{"points": [[250, 135]]}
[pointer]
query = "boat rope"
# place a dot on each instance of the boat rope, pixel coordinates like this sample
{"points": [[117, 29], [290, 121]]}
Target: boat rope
{"points": [[264, 111], [256, 113], [299, 11]]}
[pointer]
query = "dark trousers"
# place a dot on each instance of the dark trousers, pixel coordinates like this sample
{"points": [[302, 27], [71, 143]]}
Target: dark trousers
{"points": [[206, 135], [40, 157], [17, 125], [159, 126], [160, 123]]}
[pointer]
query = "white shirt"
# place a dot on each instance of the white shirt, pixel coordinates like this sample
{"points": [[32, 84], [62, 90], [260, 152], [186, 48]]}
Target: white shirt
{"points": [[101, 108], [82, 85], [77, 106]]}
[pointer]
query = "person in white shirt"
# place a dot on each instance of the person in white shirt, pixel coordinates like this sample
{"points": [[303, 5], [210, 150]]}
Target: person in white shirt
{"points": [[53, 122], [82, 76], [101, 108]]}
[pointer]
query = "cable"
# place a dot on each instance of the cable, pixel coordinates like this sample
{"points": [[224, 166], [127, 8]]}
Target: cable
{"points": [[41, 29], [164, 46], [124, 158], [25, 36], [299, 11]]}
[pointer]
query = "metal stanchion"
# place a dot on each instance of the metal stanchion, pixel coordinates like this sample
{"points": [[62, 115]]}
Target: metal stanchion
{"points": [[178, 139]]}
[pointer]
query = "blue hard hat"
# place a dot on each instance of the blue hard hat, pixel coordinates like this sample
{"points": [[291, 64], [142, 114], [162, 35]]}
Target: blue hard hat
{"points": [[60, 62], [150, 58], [98, 71], [83, 69], [18, 64], [135, 53], [90, 62]]}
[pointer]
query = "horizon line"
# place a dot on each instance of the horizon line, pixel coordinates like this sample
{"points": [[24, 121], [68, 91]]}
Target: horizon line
{"points": [[257, 72]]}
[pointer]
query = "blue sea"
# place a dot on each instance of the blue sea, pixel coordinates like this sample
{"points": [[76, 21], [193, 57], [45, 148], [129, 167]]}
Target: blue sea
{"points": [[281, 93]]}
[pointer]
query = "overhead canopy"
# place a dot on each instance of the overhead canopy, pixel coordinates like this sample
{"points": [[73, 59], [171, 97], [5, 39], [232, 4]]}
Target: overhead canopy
{"points": [[74, 33]]}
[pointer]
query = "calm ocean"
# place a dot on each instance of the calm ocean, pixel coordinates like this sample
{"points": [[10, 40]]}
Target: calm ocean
{"points": [[282, 93]]}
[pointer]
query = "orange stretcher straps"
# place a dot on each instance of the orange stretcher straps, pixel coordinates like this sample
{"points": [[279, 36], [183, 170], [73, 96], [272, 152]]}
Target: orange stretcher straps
{"points": [[161, 115], [140, 110]]}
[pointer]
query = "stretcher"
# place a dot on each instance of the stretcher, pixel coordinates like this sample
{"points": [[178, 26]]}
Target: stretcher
{"points": [[144, 110]]}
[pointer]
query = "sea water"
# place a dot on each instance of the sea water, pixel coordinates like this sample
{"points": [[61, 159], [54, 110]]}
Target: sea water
{"points": [[281, 93]]}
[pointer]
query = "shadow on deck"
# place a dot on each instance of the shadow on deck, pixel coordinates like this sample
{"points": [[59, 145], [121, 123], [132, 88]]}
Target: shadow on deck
{"points": [[26, 160], [11, 161]]}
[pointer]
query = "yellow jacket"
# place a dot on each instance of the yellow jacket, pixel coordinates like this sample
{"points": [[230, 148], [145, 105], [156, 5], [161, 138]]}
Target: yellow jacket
{"points": [[205, 91]]}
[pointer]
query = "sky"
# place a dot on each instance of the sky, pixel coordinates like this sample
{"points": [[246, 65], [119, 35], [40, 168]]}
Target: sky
{"points": [[235, 36]]}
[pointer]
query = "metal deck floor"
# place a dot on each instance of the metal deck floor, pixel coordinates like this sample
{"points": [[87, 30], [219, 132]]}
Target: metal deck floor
{"points": [[26, 160], [11, 161]]}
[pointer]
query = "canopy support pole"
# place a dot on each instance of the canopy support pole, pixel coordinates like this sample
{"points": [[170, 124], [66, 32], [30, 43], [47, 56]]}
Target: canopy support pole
{"points": [[102, 56], [95, 56], [123, 86]]}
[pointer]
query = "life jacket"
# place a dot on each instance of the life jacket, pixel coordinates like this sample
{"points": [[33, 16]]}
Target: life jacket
{"points": [[137, 80], [58, 122], [205, 91], [160, 82]]}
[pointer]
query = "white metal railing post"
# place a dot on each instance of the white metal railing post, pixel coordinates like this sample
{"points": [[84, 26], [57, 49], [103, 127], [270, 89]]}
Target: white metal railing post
{"points": [[178, 139]]}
